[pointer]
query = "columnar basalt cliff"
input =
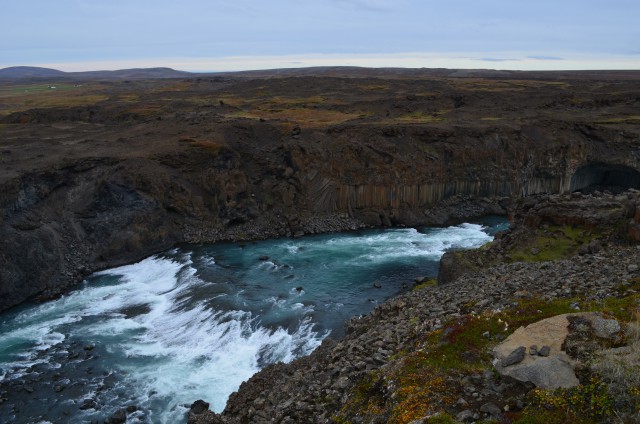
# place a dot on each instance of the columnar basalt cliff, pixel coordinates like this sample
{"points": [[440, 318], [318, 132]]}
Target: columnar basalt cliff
{"points": [[132, 168]]}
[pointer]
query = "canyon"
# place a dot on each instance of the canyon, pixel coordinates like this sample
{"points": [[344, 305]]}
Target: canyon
{"points": [[99, 173]]}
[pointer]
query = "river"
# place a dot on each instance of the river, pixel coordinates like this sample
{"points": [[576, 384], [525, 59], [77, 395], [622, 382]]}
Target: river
{"points": [[194, 322]]}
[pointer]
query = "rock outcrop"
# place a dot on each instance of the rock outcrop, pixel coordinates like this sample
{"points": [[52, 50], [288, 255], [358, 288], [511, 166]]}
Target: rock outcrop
{"points": [[581, 222]]}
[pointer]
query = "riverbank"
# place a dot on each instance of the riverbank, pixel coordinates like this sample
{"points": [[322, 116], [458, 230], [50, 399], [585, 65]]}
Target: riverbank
{"points": [[363, 377]]}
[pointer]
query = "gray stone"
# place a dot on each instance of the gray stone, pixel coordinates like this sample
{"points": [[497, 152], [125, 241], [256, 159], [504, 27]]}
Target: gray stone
{"points": [[545, 373], [514, 357], [544, 351], [595, 246], [465, 416], [605, 328], [632, 268], [483, 303], [491, 409], [342, 383]]}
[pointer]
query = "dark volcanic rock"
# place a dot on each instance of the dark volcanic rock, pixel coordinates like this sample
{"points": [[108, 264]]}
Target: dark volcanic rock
{"points": [[118, 417], [198, 407], [88, 187]]}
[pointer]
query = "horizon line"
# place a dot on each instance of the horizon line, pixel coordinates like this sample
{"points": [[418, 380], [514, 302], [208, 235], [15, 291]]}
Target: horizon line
{"points": [[508, 61]]}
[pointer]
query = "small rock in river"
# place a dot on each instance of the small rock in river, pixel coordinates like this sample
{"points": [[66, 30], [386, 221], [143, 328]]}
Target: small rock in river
{"points": [[118, 417]]}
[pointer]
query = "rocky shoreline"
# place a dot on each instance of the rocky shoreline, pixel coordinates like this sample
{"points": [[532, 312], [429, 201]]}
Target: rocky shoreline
{"points": [[316, 388]]}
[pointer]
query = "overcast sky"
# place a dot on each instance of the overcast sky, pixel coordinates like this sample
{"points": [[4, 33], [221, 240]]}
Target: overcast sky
{"points": [[211, 35]]}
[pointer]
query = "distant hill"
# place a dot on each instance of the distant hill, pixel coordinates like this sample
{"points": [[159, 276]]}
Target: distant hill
{"points": [[362, 72], [134, 73], [32, 72], [24, 72], [29, 72]]}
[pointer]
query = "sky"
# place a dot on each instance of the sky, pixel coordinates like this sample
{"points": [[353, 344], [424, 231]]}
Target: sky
{"points": [[231, 35]]}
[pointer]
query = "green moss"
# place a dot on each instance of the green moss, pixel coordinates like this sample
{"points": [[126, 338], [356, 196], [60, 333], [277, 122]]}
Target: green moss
{"points": [[366, 399], [428, 283], [553, 244], [540, 416], [528, 311], [584, 404], [623, 308]]}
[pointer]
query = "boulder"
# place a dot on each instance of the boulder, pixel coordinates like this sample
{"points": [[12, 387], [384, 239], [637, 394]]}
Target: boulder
{"points": [[603, 328], [549, 373], [553, 365], [546, 373]]}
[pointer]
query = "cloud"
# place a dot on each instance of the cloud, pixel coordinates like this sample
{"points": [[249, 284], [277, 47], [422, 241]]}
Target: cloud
{"points": [[496, 59], [543, 57]]}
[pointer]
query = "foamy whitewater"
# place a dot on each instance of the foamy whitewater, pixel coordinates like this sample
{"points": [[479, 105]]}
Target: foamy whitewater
{"points": [[193, 323]]}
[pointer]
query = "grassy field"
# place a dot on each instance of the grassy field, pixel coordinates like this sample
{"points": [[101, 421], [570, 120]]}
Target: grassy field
{"points": [[21, 97]]}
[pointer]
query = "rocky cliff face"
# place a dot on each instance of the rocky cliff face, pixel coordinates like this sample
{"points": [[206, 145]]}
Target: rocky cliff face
{"points": [[84, 188]]}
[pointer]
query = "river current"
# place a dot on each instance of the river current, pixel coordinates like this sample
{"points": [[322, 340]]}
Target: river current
{"points": [[196, 321]]}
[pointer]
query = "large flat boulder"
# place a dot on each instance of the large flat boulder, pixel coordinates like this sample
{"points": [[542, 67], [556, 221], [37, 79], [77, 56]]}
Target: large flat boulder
{"points": [[546, 364]]}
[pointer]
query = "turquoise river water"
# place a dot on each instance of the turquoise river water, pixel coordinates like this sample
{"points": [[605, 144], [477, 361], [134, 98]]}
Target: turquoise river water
{"points": [[194, 322]]}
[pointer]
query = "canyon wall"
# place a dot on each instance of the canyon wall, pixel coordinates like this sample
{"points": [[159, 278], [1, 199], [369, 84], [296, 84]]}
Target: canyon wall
{"points": [[107, 185]]}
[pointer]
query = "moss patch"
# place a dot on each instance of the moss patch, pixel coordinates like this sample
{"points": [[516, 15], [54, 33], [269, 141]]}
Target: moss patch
{"points": [[428, 283], [556, 242]]}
